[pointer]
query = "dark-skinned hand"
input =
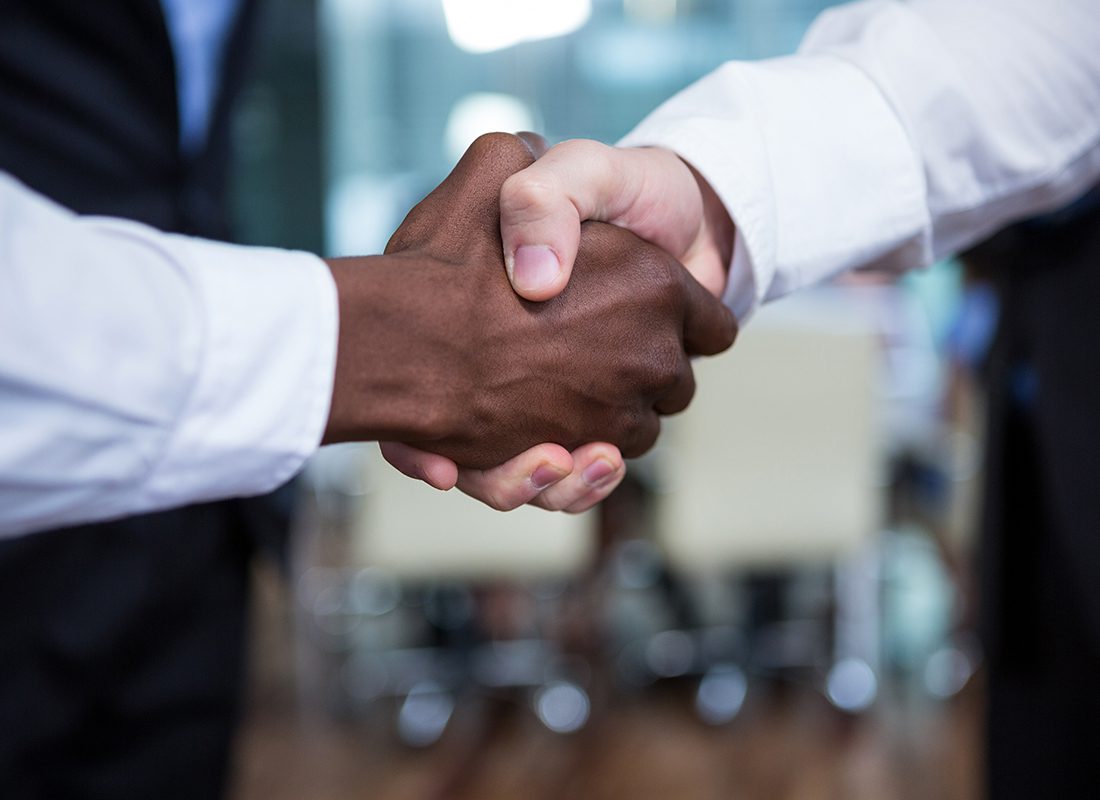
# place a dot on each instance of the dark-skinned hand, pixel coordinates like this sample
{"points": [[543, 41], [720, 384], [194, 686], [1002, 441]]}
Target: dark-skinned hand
{"points": [[437, 350]]}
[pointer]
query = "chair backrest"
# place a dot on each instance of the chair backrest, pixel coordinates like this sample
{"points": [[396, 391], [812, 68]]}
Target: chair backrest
{"points": [[413, 531], [777, 459]]}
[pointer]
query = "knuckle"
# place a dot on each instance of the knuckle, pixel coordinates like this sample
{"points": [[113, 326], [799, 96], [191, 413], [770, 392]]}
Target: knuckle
{"points": [[554, 502], [581, 148], [527, 195], [642, 435], [721, 332], [667, 360], [498, 143], [535, 142], [665, 383], [679, 398], [498, 500], [582, 505], [730, 333], [665, 276], [504, 151], [689, 392]]}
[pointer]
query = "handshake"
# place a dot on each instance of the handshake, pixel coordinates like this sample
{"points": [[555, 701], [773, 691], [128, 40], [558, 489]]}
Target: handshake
{"points": [[516, 400]]}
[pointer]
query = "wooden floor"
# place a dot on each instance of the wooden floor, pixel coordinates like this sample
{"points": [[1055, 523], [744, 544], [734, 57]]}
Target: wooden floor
{"points": [[652, 750], [785, 746]]}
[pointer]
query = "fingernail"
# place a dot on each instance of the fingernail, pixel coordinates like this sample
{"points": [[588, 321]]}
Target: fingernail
{"points": [[597, 473], [535, 268], [545, 476]]}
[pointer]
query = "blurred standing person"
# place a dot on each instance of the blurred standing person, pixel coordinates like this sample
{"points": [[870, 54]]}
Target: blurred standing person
{"points": [[122, 653], [1040, 547], [123, 642]]}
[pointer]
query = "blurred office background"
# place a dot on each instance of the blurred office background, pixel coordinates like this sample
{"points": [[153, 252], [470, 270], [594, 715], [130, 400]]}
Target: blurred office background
{"points": [[778, 601]]}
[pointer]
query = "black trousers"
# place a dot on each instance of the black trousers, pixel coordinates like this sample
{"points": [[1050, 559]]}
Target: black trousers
{"points": [[121, 656], [1043, 718]]}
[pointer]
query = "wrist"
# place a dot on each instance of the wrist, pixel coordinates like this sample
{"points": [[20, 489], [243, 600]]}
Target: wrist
{"points": [[711, 253], [716, 219], [388, 382]]}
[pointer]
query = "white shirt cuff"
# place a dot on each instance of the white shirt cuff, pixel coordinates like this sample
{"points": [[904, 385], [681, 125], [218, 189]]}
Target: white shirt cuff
{"points": [[812, 164], [260, 399]]}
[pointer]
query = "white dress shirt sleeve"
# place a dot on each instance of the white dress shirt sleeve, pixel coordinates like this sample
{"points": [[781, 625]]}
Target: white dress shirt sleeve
{"points": [[141, 370], [900, 132]]}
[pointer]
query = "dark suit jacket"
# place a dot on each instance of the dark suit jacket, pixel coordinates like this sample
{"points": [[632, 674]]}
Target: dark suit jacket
{"points": [[88, 112], [1041, 546], [1043, 497], [121, 643]]}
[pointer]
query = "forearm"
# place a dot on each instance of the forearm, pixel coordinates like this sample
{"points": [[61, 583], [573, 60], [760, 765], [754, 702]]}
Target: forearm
{"points": [[1000, 99]]}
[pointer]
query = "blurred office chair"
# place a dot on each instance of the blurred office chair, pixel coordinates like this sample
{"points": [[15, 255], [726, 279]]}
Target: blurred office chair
{"points": [[776, 465], [430, 572], [415, 532]]}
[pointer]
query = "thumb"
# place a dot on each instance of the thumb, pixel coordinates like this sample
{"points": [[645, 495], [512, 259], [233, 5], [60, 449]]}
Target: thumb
{"points": [[541, 230], [649, 191], [542, 208]]}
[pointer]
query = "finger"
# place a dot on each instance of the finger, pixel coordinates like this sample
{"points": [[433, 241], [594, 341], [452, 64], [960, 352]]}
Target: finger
{"points": [[679, 397], [596, 496], [434, 470], [542, 207], [709, 326], [535, 142], [597, 469], [644, 435], [518, 480]]}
